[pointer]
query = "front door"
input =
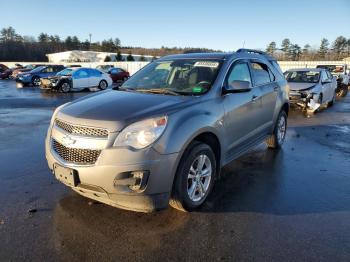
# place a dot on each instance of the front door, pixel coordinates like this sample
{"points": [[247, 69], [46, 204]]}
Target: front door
{"points": [[241, 111], [80, 79]]}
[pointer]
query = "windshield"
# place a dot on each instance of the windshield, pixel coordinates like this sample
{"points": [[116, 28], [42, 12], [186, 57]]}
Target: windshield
{"points": [[302, 76], [333, 68], [181, 76], [65, 72]]}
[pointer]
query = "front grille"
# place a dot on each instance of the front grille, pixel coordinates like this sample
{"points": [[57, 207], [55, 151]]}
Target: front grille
{"points": [[76, 155], [81, 130]]}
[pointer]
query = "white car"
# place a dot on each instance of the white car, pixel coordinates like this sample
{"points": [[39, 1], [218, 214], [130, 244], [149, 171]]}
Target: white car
{"points": [[77, 78], [311, 88]]}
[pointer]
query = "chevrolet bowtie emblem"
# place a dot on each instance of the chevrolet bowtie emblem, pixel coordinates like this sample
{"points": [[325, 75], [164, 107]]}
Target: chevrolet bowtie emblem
{"points": [[68, 141]]}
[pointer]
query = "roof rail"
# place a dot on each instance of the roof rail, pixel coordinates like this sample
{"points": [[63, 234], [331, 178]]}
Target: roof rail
{"points": [[245, 50]]}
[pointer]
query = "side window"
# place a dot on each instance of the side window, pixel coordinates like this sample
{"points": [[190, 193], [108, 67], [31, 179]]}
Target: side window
{"points": [[329, 75], [59, 68], [324, 76], [276, 65], [94, 73], [261, 73], [81, 74], [239, 72], [48, 69], [115, 71], [272, 76]]}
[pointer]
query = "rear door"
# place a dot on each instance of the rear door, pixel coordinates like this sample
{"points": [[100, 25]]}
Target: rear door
{"points": [[94, 77], [265, 81]]}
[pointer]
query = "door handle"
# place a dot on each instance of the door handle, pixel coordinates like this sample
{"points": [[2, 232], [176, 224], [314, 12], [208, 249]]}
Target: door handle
{"points": [[254, 98]]}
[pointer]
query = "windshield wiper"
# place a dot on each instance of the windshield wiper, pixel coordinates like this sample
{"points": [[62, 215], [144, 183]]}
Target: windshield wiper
{"points": [[159, 91]]}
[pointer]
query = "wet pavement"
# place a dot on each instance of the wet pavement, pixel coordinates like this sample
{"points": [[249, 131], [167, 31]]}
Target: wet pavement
{"points": [[291, 205]]}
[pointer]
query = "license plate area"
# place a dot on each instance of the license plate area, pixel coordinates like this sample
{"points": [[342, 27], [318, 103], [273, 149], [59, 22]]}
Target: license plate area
{"points": [[66, 175]]}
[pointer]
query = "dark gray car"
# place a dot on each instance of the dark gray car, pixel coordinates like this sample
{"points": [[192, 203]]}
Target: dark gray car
{"points": [[165, 134]]}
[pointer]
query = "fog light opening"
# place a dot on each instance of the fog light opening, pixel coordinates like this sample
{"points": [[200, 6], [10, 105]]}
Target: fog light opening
{"points": [[140, 180]]}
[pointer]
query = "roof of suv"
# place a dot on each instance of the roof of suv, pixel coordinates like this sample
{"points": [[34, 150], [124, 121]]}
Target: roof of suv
{"points": [[306, 69], [219, 55]]}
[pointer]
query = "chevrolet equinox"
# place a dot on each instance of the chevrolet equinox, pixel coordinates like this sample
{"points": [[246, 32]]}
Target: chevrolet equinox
{"points": [[163, 136]]}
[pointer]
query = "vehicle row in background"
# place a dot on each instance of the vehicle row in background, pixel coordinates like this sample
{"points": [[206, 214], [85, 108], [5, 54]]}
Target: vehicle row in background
{"points": [[6, 72], [33, 76], [24, 69], [76, 78], [311, 89], [340, 73], [117, 74]]}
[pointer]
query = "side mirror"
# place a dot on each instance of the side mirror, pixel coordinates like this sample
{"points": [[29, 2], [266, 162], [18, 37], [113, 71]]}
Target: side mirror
{"points": [[238, 86]]}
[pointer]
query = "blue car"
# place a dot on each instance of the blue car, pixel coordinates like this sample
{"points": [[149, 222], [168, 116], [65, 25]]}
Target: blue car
{"points": [[33, 77]]}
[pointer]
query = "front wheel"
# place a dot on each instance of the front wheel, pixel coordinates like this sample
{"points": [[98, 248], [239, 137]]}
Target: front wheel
{"points": [[103, 85], [331, 103], [65, 87], [36, 81], [194, 178], [275, 141]]}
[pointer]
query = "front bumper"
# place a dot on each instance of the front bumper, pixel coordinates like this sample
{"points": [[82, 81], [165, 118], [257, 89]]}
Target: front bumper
{"points": [[305, 100], [47, 84], [98, 181]]}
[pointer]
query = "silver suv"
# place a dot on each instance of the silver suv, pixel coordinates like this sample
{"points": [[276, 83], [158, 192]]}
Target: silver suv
{"points": [[164, 135]]}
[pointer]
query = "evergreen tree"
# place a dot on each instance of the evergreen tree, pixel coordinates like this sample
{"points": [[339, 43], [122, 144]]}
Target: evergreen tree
{"points": [[130, 57], [271, 48], [322, 51]]}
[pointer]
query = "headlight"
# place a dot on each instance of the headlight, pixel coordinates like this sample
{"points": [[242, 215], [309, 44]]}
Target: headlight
{"points": [[143, 133]]}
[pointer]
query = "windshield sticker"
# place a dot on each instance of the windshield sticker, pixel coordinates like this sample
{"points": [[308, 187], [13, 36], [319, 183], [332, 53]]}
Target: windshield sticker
{"points": [[207, 64], [197, 89]]}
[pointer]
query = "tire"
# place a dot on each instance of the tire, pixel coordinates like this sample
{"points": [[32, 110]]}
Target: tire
{"points": [[125, 78], [36, 81], [65, 87], [331, 103], [320, 101], [275, 141], [187, 191], [103, 85], [343, 91]]}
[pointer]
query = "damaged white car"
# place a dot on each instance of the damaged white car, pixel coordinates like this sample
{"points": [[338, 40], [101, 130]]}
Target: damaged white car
{"points": [[311, 88]]}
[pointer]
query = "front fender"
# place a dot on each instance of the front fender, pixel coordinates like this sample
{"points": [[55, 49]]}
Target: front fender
{"points": [[185, 125]]}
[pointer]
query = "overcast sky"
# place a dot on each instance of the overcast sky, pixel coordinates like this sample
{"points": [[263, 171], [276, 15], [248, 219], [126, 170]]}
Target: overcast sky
{"points": [[219, 24]]}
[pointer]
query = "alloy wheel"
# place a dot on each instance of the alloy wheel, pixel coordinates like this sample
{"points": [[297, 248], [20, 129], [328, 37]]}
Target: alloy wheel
{"points": [[199, 178], [281, 129]]}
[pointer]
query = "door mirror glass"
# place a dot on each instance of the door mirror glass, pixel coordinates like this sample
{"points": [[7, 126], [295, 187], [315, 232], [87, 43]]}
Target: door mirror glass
{"points": [[238, 86]]}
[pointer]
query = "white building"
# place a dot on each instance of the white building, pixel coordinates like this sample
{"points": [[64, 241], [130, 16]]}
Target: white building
{"points": [[76, 56]]}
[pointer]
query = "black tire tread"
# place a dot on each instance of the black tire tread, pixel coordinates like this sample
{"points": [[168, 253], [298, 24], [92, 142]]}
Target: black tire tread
{"points": [[271, 141], [176, 199]]}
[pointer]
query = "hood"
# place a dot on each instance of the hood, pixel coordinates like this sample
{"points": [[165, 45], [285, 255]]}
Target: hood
{"points": [[301, 86], [116, 109]]}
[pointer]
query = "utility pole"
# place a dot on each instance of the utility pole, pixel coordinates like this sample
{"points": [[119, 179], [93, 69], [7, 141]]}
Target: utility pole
{"points": [[90, 41]]}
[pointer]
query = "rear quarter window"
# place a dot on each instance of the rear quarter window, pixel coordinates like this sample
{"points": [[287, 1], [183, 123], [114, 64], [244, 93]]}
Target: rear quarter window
{"points": [[261, 73], [277, 67]]}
